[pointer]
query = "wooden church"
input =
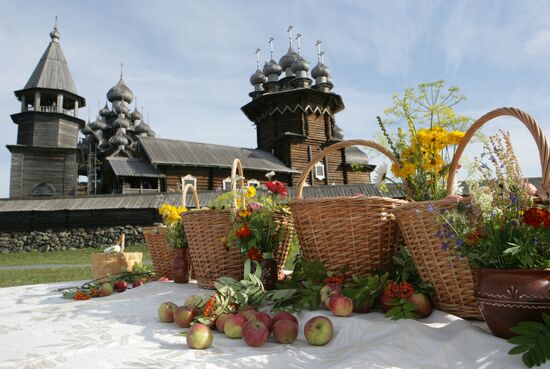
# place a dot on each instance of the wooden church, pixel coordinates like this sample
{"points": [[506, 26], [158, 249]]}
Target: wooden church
{"points": [[292, 108]]}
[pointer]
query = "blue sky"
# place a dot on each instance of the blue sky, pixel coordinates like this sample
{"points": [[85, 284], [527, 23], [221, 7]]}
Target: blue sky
{"points": [[189, 62]]}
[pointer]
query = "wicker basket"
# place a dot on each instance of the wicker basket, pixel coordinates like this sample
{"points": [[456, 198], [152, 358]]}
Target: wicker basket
{"points": [[206, 231], [107, 265], [162, 254], [357, 232], [453, 281]]}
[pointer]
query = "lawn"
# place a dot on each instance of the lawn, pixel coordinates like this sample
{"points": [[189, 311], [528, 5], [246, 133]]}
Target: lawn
{"points": [[78, 256]]}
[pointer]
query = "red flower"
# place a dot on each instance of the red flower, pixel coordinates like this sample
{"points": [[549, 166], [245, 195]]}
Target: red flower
{"points": [[254, 254], [244, 231], [277, 188], [536, 217]]}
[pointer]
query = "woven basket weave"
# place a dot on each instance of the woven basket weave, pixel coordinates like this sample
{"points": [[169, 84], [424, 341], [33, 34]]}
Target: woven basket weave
{"points": [[162, 254], [357, 232], [453, 281], [107, 265], [207, 230]]}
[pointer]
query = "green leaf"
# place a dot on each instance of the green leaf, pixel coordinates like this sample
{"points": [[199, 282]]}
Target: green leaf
{"points": [[546, 319], [522, 340], [533, 326], [518, 350]]}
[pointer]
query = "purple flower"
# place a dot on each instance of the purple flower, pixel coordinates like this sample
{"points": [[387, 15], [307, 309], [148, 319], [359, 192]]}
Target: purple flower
{"points": [[218, 190], [445, 246], [430, 208], [253, 206]]}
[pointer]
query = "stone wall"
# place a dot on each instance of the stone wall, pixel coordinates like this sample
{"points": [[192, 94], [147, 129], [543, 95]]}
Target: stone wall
{"points": [[76, 238]]}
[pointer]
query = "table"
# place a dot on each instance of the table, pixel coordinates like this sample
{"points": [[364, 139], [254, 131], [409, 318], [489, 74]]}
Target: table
{"points": [[39, 329]]}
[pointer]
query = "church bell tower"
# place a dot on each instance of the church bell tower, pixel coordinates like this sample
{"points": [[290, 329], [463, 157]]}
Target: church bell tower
{"points": [[44, 160]]}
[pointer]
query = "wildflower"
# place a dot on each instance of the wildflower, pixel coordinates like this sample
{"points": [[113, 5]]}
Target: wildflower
{"points": [[244, 231], [400, 290], [250, 191], [536, 217], [244, 213], [254, 254], [277, 188], [81, 296], [253, 206], [430, 208], [380, 174]]}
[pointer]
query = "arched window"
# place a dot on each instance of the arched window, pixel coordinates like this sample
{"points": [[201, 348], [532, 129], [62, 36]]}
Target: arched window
{"points": [[226, 184], [253, 183], [320, 171], [188, 179]]}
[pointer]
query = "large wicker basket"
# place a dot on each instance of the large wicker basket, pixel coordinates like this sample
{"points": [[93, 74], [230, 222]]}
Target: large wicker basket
{"points": [[357, 232], [207, 230], [108, 265], [162, 254], [453, 281]]}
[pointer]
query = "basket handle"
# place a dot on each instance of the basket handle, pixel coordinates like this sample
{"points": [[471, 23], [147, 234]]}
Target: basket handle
{"points": [[337, 146], [187, 187], [121, 243], [237, 166], [528, 121]]}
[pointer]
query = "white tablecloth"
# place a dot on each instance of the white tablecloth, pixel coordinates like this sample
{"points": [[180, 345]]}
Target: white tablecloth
{"points": [[39, 329]]}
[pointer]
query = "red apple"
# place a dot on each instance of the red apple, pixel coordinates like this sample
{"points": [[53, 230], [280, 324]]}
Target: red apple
{"points": [[137, 283], [166, 312], [106, 289], [233, 326], [327, 292], [364, 307], [318, 330], [341, 305], [285, 331], [248, 313], [283, 315], [184, 315], [423, 304], [221, 320], [199, 336], [384, 303], [255, 333], [264, 318], [120, 285]]}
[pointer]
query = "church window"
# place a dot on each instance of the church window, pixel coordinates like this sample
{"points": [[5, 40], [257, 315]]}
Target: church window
{"points": [[226, 184], [189, 179], [253, 183], [319, 171]]}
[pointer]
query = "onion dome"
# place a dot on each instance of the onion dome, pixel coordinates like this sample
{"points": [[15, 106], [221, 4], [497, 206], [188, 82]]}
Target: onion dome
{"points": [[320, 70], [119, 139], [286, 61], [337, 132], [120, 107], [98, 124], [143, 129], [272, 68], [300, 65], [104, 112], [136, 115], [121, 122], [120, 92], [55, 35], [258, 78], [87, 130]]}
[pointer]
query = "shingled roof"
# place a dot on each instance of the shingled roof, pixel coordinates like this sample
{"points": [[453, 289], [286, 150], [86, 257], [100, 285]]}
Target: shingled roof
{"points": [[133, 167], [161, 151], [52, 71]]}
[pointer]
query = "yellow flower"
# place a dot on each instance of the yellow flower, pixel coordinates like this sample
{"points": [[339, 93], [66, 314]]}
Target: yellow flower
{"points": [[455, 137], [250, 191], [244, 213], [433, 163], [404, 171]]}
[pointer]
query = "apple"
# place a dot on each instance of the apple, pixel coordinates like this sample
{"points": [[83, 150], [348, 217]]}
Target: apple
{"points": [[364, 307], [285, 330], [120, 285], [423, 304], [264, 318], [318, 330], [384, 302], [233, 326], [221, 320], [137, 283], [255, 333], [340, 305], [328, 291], [199, 336], [106, 289], [283, 315], [166, 312], [184, 315], [249, 313]]}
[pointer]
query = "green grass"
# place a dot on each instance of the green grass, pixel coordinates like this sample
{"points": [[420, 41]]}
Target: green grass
{"points": [[79, 256], [9, 278]]}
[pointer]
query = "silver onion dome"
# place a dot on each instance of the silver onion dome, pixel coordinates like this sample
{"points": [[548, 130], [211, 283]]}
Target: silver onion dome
{"points": [[136, 115], [272, 68], [143, 129], [98, 124], [121, 122], [120, 92], [119, 139], [286, 61], [120, 107], [300, 65], [55, 35], [105, 111], [258, 78], [320, 70], [87, 130]]}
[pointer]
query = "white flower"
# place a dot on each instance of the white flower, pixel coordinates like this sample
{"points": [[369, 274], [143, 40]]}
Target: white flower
{"points": [[269, 175], [380, 174]]}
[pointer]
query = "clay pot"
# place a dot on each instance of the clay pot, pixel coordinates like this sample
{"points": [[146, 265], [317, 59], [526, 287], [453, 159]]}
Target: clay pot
{"points": [[270, 273], [180, 266], [507, 297]]}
